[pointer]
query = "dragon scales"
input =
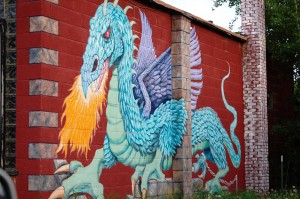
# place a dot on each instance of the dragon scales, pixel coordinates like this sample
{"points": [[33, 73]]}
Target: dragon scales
{"points": [[144, 125]]}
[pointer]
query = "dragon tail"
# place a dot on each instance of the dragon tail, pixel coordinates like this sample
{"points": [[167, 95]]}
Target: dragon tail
{"points": [[235, 157]]}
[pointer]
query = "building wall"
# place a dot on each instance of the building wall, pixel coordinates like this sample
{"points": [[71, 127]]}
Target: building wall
{"points": [[219, 54], [51, 39]]}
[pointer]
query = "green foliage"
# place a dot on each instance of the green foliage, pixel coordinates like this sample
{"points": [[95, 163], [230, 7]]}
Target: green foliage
{"points": [[288, 132], [282, 28], [232, 3], [291, 194], [227, 195]]}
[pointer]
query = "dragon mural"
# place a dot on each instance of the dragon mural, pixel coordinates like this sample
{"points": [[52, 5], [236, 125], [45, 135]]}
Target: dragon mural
{"points": [[144, 125]]}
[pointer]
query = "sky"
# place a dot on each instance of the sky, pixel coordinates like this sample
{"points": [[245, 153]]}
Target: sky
{"points": [[203, 8]]}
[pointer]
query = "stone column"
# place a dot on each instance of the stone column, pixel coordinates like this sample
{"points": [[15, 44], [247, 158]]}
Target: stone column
{"points": [[255, 96], [42, 88], [182, 162]]}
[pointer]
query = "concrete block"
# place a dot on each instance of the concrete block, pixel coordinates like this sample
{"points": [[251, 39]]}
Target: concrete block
{"points": [[45, 24], [43, 119], [43, 55]]}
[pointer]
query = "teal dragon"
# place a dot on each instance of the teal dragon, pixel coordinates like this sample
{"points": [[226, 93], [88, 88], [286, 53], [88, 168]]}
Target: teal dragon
{"points": [[144, 125]]}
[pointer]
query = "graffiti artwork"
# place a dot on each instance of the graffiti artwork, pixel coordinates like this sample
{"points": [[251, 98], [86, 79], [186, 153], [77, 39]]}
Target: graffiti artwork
{"points": [[144, 124]]}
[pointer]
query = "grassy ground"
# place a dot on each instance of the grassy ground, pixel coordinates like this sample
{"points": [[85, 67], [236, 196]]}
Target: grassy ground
{"points": [[285, 194]]}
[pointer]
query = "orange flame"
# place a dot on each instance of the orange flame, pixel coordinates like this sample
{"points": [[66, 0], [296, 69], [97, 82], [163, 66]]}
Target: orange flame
{"points": [[81, 117]]}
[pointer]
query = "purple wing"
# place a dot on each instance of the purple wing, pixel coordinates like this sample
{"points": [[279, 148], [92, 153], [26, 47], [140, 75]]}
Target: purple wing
{"points": [[146, 53], [152, 76], [196, 73]]}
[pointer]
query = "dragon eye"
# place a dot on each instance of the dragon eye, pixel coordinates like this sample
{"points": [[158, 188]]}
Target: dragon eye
{"points": [[107, 34], [96, 62]]}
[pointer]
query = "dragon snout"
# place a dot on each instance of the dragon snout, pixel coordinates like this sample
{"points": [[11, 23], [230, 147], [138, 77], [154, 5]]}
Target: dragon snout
{"points": [[85, 86]]}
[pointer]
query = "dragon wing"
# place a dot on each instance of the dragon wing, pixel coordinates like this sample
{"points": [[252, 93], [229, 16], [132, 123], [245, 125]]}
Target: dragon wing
{"points": [[196, 74], [164, 123], [152, 76], [164, 119], [146, 53]]}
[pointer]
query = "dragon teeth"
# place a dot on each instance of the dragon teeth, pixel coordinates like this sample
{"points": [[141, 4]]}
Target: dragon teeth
{"points": [[95, 85]]}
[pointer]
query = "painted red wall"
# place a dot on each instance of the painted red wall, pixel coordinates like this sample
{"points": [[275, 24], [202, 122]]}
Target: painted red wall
{"points": [[73, 17], [216, 51]]}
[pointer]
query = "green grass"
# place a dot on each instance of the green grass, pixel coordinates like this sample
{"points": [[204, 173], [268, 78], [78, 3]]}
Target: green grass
{"points": [[284, 194]]}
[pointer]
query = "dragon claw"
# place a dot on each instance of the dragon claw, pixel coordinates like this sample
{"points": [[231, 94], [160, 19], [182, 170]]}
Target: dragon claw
{"points": [[63, 169], [213, 186], [133, 183], [82, 179], [144, 193], [59, 148], [58, 193]]}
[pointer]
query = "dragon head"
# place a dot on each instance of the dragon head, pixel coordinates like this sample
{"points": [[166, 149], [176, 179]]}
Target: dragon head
{"points": [[105, 44], [110, 36]]}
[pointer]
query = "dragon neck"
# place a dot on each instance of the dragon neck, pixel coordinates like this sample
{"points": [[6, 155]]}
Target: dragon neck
{"points": [[128, 105]]}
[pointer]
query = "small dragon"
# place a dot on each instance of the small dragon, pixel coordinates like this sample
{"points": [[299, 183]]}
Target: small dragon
{"points": [[144, 125]]}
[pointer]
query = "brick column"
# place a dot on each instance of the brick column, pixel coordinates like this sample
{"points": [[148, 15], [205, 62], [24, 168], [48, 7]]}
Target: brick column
{"points": [[255, 96], [182, 162], [41, 88]]}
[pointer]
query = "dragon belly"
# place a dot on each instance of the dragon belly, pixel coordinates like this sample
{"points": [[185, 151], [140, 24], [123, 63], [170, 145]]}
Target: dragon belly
{"points": [[116, 133]]}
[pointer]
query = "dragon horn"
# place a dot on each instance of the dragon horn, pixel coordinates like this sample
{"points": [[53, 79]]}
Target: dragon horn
{"points": [[116, 2], [105, 7]]}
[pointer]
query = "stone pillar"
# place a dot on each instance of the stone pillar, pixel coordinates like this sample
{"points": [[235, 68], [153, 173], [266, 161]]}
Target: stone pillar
{"points": [[255, 96], [182, 162], [47, 89]]}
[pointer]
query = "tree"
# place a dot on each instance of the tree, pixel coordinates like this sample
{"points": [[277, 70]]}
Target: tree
{"points": [[282, 29]]}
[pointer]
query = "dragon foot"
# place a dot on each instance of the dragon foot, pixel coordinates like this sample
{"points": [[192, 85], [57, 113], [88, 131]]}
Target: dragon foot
{"points": [[200, 164], [152, 170], [213, 185], [82, 179], [135, 177]]}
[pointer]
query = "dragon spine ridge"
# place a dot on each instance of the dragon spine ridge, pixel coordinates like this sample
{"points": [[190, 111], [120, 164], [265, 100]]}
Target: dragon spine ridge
{"points": [[144, 135]]}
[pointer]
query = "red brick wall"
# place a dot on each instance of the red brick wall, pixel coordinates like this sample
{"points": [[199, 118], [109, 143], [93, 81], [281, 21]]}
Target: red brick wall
{"points": [[255, 96], [73, 30], [43, 83]]}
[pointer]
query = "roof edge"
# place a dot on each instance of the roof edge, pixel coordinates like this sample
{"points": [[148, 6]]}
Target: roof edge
{"points": [[203, 22]]}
